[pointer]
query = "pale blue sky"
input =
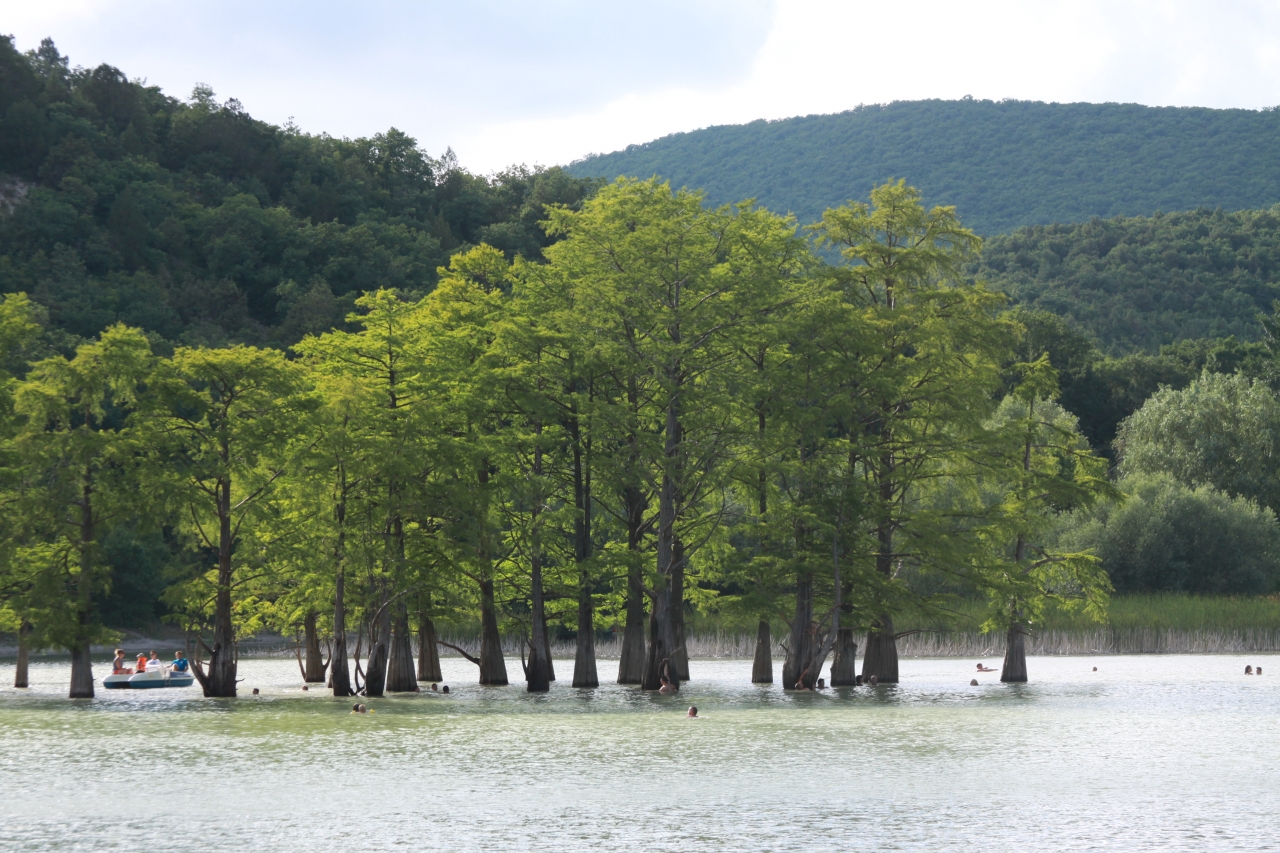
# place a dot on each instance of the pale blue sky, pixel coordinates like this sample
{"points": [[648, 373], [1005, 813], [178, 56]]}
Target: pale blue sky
{"points": [[547, 82]]}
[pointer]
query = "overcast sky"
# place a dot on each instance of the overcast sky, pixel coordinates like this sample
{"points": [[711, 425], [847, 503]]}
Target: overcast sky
{"points": [[506, 81]]}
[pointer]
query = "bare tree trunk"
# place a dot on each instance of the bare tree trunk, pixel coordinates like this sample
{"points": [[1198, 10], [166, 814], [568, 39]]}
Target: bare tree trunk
{"points": [[659, 661], [844, 668], [537, 672], [800, 638], [493, 669], [762, 668], [428, 651], [631, 664], [81, 662], [339, 673], [315, 659], [680, 659], [375, 672], [20, 672], [881, 657], [400, 674], [546, 644], [1015, 654], [218, 677], [584, 661]]}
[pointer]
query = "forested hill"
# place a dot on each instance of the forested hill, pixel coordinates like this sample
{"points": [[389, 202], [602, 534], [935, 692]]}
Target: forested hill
{"points": [[1137, 283], [1002, 163], [202, 225]]}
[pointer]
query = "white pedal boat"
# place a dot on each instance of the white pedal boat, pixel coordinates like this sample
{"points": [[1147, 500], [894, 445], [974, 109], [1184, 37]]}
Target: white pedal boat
{"points": [[151, 678]]}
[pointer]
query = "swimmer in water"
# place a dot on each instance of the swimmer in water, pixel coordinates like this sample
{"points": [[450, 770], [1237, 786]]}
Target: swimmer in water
{"points": [[822, 684], [873, 681], [973, 682], [1248, 670], [693, 712], [666, 686], [982, 668], [1258, 671], [434, 689]]}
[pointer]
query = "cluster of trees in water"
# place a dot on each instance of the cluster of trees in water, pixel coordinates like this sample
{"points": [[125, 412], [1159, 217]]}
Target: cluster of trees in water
{"points": [[680, 406], [255, 379]]}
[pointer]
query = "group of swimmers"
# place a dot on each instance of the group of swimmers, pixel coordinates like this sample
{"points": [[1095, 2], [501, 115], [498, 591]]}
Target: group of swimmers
{"points": [[1249, 670], [148, 664]]}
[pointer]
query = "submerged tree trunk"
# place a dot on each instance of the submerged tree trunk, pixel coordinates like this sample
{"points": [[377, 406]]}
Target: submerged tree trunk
{"points": [[538, 671], [660, 658], [680, 659], [1015, 654], [428, 651], [339, 673], [631, 663], [20, 672], [762, 667], [218, 676], [493, 669], [881, 656], [316, 665], [844, 667], [584, 660], [375, 672], [800, 639], [400, 675], [81, 661]]}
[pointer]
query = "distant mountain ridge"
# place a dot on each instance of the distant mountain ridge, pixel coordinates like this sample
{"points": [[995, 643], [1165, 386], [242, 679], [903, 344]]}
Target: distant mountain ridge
{"points": [[1003, 164]]}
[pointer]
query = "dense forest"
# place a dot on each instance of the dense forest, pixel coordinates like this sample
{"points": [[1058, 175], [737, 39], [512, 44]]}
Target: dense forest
{"points": [[1137, 283], [1003, 164], [200, 224], [258, 379]]}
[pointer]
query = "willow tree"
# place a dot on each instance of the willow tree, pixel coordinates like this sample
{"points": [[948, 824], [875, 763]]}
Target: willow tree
{"points": [[929, 370], [221, 428], [77, 455], [664, 286], [1043, 466]]}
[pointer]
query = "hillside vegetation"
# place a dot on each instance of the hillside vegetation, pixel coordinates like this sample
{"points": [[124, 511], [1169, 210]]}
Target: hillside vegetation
{"points": [[1139, 283], [1002, 163], [202, 225]]}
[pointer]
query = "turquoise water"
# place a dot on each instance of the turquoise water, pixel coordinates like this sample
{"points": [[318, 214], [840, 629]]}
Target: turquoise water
{"points": [[1147, 753]]}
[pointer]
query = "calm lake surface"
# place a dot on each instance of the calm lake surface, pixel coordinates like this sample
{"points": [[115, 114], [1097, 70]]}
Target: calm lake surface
{"points": [[1147, 753]]}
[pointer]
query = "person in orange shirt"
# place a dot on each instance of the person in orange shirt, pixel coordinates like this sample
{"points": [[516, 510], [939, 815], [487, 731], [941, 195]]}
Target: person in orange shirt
{"points": [[142, 664]]}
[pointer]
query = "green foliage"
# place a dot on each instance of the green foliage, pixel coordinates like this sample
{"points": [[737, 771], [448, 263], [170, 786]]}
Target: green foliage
{"points": [[1137, 283], [1169, 537], [1220, 431], [202, 225], [1002, 164]]}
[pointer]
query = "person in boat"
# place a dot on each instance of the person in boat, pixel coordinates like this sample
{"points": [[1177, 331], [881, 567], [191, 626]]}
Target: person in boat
{"points": [[180, 662], [154, 663], [117, 665], [982, 668], [142, 664]]}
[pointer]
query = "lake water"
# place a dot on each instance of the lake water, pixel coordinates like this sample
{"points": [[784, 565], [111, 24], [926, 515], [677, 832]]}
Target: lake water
{"points": [[1147, 753]]}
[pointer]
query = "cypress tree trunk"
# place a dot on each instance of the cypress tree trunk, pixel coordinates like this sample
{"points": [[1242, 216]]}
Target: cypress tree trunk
{"points": [[493, 669], [538, 671], [218, 677], [659, 660], [680, 659], [546, 645], [1015, 654], [881, 657], [844, 667], [428, 651], [801, 638], [631, 664], [584, 660], [375, 673], [339, 673], [20, 672], [81, 662], [400, 674], [762, 668], [315, 659]]}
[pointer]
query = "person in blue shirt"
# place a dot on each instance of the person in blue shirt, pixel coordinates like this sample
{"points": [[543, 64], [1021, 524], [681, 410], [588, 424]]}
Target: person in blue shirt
{"points": [[179, 662]]}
